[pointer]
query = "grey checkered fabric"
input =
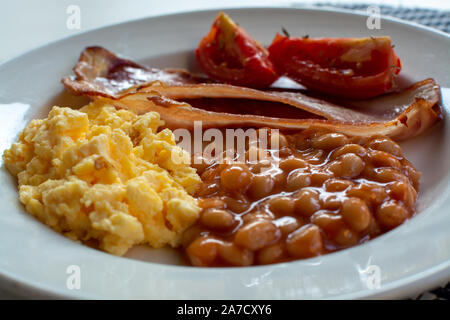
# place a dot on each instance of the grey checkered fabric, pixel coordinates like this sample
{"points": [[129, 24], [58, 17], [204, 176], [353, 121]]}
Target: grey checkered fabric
{"points": [[432, 18]]}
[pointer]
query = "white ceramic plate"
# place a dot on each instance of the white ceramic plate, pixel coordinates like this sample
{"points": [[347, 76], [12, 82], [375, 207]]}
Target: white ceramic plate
{"points": [[414, 257]]}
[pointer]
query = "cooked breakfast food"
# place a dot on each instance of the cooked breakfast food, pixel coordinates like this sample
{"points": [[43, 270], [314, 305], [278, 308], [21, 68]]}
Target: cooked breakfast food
{"points": [[349, 67], [106, 177], [321, 192], [100, 73], [228, 54], [332, 176], [357, 68]]}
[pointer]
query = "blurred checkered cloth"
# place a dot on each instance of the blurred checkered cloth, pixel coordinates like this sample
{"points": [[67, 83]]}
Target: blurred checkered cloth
{"points": [[432, 18]]}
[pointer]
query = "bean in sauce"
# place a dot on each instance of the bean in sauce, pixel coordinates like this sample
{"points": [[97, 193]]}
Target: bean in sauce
{"points": [[322, 192]]}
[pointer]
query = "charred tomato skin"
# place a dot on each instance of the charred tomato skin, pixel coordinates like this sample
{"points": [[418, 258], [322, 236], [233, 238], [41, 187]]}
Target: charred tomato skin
{"points": [[228, 54], [356, 68]]}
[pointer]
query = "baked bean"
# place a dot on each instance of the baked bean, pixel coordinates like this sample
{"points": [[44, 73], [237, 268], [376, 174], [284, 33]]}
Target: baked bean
{"points": [[337, 185], [290, 164], [331, 202], [282, 205], [410, 197], [413, 174], [271, 254], [261, 186], [359, 140], [209, 174], [225, 163], [192, 233], [235, 204], [287, 224], [369, 172], [285, 152], [279, 178], [256, 215], [298, 179], [335, 167], [203, 251], [321, 192], [404, 192], [391, 214], [234, 255], [307, 202], [374, 228], [305, 242], [212, 202], [330, 223], [388, 175], [314, 157], [349, 148], [370, 193], [301, 143], [356, 213], [318, 178], [348, 165], [260, 166], [208, 189], [329, 141], [383, 159], [257, 235], [236, 177], [345, 237], [387, 145], [219, 219]]}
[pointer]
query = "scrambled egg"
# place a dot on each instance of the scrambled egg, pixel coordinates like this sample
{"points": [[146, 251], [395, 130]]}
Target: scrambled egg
{"points": [[104, 174]]}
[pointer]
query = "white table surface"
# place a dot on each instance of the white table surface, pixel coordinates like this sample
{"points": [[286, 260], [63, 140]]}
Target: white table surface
{"points": [[29, 24]]}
